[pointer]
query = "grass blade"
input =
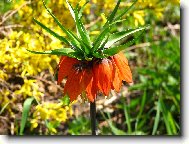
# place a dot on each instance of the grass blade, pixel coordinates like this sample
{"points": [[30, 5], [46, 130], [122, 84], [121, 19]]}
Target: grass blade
{"points": [[157, 118], [4, 107], [114, 129], [141, 110], [165, 117], [127, 116], [26, 108]]}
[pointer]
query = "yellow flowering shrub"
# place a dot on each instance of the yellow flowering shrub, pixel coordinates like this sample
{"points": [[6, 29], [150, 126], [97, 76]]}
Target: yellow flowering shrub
{"points": [[53, 112]]}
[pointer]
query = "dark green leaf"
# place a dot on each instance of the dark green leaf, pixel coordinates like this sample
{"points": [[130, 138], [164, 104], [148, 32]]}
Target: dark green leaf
{"points": [[102, 46], [82, 31]]}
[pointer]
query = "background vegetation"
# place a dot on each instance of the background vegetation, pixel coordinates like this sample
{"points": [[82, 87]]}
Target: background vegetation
{"points": [[151, 106]]}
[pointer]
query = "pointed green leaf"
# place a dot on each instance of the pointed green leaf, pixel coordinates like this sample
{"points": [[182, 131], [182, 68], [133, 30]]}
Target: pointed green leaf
{"points": [[120, 35], [82, 8], [98, 55], [63, 51], [26, 108], [55, 19], [125, 11], [71, 9], [79, 25], [115, 50], [106, 29], [118, 21], [102, 46], [75, 41], [100, 39], [81, 29], [58, 23], [112, 15], [61, 38], [85, 49], [72, 40]]}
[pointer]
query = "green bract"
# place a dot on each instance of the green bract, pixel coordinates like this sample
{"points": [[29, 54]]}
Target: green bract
{"points": [[81, 47]]}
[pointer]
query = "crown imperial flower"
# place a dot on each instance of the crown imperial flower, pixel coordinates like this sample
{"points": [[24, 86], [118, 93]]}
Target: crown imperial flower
{"points": [[93, 76], [92, 67]]}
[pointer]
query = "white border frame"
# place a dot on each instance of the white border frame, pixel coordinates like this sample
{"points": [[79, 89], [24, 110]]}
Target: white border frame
{"points": [[183, 139]]}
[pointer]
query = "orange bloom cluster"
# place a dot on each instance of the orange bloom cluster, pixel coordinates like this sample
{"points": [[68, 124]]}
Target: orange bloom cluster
{"points": [[91, 77]]}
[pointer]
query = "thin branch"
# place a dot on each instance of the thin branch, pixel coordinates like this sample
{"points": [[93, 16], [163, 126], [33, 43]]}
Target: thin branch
{"points": [[12, 12], [92, 23], [10, 26], [48, 82], [140, 45]]}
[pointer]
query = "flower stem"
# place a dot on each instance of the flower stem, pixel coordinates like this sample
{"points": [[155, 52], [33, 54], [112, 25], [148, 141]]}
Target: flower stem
{"points": [[93, 117]]}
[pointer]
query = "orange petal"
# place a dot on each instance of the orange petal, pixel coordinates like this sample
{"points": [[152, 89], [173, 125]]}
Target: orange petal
{"points": [[91, 90], [124, 69], [77, 82], [73, 84], [65, 66], [103, 76], [116, 84]]}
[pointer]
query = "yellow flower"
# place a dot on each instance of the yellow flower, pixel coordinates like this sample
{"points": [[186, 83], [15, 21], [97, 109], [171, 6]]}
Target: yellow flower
{"points": [[139, 17], [53, 112]]}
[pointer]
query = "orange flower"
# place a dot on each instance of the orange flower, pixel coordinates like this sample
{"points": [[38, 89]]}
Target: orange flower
{"points": [[91, 77]]}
